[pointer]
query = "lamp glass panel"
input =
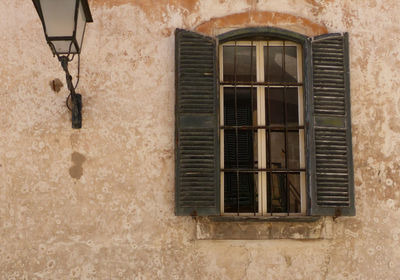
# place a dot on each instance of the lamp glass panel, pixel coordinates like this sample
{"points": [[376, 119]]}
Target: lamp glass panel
{"points": [[80, 26], [62, 47], [58, 17]]}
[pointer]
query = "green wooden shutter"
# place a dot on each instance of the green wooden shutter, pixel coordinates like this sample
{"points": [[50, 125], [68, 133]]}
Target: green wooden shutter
{"points": [[196, 137], [331, 177]]}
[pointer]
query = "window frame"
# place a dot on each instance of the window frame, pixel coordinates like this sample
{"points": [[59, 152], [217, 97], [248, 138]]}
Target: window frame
{"points": [[329, 185], [262, 176], [268, 33]]}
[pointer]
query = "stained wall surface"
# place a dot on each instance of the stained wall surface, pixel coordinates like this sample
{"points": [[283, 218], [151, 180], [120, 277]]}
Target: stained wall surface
{"points": [[97, 203]]}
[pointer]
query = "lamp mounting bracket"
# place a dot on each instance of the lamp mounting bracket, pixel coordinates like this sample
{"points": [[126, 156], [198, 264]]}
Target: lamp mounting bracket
{"points": [[76, 98]]}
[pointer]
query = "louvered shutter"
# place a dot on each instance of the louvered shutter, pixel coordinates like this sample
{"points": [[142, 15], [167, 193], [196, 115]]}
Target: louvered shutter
{"points": [[196, 137], [331, 177]]}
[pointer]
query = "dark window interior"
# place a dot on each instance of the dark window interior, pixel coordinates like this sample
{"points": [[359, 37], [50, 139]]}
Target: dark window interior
{"points": [[239, 107]]}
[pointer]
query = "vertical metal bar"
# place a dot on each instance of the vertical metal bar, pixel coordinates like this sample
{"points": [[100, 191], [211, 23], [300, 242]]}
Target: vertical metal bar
{"points": [[252, 123], [286, 128], [236, 128], [269, 174], [287, 193]]}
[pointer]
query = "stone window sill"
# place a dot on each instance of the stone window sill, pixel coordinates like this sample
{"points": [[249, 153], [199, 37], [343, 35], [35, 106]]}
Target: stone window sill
{"points": [[263, 228], [289, 219]]}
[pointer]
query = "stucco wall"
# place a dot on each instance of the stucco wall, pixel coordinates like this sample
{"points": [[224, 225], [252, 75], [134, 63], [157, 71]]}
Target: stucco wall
{"points": [[97, 203]]}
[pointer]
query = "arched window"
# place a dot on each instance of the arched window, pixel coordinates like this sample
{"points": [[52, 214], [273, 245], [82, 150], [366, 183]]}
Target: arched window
{"points": [[263, 124]]}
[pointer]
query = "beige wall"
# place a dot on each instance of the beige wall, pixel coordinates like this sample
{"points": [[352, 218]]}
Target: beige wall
{"points": [[97, 203]]}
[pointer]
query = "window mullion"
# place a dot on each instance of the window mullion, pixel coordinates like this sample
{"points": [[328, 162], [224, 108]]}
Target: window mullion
{"points": [[262, 133]]}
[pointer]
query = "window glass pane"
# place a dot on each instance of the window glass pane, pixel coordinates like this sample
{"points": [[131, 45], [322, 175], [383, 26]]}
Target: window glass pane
{"points": [[276, 112], [277, 202], [245, 63], [274, 64], [292, 106], [290, 64], [294, 196], [277, 142], [240, 192], [273, 61], [246, 109], [80, 28], [293, 150]]}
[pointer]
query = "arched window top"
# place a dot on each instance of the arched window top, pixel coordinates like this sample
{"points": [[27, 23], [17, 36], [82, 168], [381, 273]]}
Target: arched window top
{"points": [[262, 33]]}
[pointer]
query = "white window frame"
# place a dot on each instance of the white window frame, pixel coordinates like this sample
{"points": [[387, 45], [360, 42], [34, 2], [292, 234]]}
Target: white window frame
{"points": [[262, 149]]}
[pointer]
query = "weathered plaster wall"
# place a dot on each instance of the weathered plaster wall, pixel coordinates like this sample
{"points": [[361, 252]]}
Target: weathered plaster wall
{"points": [[97, 203]]}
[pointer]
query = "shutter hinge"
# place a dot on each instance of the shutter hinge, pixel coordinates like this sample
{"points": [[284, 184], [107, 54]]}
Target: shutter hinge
{"points": [[194, 213], [338, 213]]}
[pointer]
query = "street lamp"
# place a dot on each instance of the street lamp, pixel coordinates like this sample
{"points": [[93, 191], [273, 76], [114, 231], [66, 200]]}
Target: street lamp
{"points": [[64, 23]]}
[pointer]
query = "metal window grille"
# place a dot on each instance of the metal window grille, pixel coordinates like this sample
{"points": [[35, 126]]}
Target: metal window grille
{"points": [[251, 184]]}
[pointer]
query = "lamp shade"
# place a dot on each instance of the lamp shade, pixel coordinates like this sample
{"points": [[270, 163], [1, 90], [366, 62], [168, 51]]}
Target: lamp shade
{"points": [[64, 23]]}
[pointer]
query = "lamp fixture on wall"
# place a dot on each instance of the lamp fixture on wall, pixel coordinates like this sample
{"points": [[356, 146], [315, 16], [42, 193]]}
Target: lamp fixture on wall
{"points": [[64, 23]]}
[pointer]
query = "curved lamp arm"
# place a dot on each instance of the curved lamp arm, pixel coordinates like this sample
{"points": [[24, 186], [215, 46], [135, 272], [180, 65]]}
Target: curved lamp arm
{"points": [[76, 98]]}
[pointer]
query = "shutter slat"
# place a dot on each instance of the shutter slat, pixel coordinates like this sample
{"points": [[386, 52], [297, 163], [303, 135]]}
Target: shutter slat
{"points": [[196, 150], [332, 167]]}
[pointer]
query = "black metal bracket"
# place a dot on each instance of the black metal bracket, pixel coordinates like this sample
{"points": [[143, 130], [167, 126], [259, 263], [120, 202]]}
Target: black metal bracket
{"points": [[76, 98]]}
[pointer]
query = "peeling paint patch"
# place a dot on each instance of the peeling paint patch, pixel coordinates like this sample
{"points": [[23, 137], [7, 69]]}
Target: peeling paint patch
{"points": [[152, 9], [56, 85], [76, 170], [257, 18]]}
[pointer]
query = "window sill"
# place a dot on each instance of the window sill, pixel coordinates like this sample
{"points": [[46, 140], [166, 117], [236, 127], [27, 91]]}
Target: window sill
{"points": [[287, 219], [264, 228]]}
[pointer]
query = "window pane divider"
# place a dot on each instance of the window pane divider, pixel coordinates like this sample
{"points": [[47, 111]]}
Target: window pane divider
{"points": [[261, 126]]}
